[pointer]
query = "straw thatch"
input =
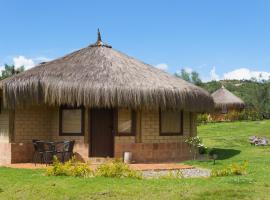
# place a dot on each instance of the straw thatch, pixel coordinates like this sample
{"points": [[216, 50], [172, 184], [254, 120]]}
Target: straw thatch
{"points": [[99, 76], [224, 98]]}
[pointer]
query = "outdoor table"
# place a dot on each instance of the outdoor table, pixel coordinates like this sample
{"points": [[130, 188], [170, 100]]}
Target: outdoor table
{"points": [[50, 149]]}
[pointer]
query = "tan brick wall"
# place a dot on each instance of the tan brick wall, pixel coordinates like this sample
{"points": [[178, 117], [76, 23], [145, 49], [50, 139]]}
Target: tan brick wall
{"points": [[42, 122], [150, 129], [156, 148]]}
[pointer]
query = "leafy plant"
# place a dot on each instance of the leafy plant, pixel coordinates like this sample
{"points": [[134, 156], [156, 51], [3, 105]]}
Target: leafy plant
{"points": [[70, 168], [233, 169], [117, 169]]}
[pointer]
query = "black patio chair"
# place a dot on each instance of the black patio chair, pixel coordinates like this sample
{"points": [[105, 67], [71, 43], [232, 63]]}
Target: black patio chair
{"points": [[39, 152], [50, 152], [67, 150]]}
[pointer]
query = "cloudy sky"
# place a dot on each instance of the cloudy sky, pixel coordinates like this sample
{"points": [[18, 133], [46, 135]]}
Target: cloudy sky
{"points": [[219, 39]]}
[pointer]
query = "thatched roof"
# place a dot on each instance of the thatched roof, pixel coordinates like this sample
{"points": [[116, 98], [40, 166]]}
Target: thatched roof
{"points": [[223, 97], [100, 76]]}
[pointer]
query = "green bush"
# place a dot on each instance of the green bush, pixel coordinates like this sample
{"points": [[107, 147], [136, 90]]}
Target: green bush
{"points": [[202, 118], [233, 169], [202, 149], [247, 115], [70, 168], [117, 169]]}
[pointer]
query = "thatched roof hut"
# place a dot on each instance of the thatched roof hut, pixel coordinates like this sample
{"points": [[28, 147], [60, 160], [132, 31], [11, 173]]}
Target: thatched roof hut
{"points": [[224, 98], [100, 76]]}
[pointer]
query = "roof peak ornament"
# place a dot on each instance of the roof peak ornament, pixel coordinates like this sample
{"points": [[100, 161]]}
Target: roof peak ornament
{"points": [[99, 42]]}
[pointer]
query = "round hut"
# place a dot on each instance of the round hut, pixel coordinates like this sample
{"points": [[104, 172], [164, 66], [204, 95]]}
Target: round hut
{"points": [[226, 102], [107, 102]]}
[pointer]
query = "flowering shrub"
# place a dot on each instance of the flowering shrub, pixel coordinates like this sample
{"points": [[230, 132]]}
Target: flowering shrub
{"points": [[195, 144]]}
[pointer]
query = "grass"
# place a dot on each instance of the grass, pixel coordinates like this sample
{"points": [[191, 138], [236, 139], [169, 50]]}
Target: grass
{"points": [[230, 141]]}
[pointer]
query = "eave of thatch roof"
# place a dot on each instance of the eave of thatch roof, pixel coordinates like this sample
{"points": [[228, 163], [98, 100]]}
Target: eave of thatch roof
{"points": [[223, 97], [99, 76]]}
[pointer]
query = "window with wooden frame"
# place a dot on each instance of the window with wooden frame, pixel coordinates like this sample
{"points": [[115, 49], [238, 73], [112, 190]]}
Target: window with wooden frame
{"points": [[224, 109], [71, 121], [125, 122], [170, 122]]}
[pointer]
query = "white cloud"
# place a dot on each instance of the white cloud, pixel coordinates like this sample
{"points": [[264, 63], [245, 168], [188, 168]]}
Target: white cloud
{"points": [[213, 74], [23, 61], [244, 73], [28, 63], [162, 66]]}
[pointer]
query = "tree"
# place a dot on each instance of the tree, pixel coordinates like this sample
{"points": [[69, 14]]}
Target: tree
{"points": [[192, 77], [183, 75], [10, 70], [195, 79]]}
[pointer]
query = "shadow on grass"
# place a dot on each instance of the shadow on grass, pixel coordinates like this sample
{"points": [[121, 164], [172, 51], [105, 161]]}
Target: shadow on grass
{"points": [[224, 154]]}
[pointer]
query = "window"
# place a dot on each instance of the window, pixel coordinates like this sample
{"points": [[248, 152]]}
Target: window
{"points": [[224, 110], [126, 122], [171, 123], [71, 121]]}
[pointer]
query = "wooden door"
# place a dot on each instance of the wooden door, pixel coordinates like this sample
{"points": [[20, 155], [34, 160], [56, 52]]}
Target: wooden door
{"points": [[101, 133]]}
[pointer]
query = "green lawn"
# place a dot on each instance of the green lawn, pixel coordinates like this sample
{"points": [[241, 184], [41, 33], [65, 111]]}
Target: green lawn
{"points": [[229, 138]]}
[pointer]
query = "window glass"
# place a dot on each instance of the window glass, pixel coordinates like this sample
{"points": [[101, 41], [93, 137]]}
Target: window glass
{"points": [[124, 120], [170, 122], [71, 121]]}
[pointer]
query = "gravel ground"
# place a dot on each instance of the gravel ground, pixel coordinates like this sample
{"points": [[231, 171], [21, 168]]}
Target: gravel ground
{"points": [[183, 173]]}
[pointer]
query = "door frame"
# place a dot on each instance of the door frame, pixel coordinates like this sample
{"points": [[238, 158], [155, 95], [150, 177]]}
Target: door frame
{"points": [[90, 121]]}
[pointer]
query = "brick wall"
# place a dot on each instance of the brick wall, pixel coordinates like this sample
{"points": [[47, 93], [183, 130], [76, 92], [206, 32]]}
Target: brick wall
{"points": [[42, 122], [156, 148]]}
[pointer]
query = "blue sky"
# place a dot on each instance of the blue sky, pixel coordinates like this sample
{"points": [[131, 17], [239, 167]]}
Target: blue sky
{"points": [[218, 39]]}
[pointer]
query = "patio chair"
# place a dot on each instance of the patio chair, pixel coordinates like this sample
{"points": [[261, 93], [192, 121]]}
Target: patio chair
{"points": [[39, 152], [67, 150], [50, 151]]}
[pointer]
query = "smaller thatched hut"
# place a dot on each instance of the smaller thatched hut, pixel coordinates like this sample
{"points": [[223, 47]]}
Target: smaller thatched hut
{"points": [[226, 102]]}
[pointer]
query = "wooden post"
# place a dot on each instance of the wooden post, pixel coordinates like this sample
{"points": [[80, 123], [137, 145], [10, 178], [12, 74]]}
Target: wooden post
{"points": [[138, 136], [11, 125]]}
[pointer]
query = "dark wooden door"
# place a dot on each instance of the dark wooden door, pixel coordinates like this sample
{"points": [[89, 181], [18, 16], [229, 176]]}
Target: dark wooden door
{"points": [[101, 133]]}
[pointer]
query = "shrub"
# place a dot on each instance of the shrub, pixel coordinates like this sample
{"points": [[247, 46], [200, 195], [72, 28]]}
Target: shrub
{"points": [[202, 149], [70, 168], [233, 169], [196, 143], [239, 169], [203, 118], [117, 169]]}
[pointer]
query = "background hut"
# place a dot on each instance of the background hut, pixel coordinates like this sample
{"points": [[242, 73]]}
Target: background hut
{"points": [[226, 102], [106, 101]]}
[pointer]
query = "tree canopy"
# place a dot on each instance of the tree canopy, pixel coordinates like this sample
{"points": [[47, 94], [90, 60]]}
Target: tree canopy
{"points": [[10, 70]]}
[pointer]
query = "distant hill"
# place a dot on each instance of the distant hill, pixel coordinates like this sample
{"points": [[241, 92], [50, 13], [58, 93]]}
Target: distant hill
{"points": [[256, 94]]}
